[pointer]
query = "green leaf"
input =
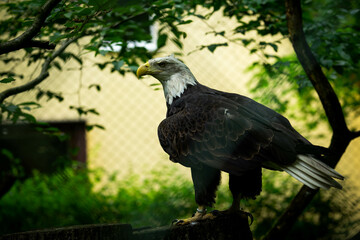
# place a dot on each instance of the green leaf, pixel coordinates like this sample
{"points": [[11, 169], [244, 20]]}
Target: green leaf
{"points": [[68, 15], [253, 50], [30, 118], [57, 65], [91, 127], [133, 68], [83, 111], [246, 42], [7, 153], [161, 40], [93, 111], [39, 95], [185, 22], [221, 33], [85, 12], [56, 37], [103, 52], [7, 80], [118, 64], [199, 16], [27, 105], [67, 55], [177, 42], [12, 108], [274, 46], [96, 86], [212, 47], [102, 65]]}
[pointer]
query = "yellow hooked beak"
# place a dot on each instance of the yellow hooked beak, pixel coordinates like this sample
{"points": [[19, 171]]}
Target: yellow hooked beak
{"points": [[143, 70]]}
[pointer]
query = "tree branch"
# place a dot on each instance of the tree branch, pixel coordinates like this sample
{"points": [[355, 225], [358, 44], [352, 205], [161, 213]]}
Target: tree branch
{"points": [[291, 214], [355, 134], [42, 76], [341, 134], [38, 44], [24, 39], [312, 68]]}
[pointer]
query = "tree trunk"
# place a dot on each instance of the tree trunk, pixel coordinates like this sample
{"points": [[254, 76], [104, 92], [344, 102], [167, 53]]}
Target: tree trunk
{"points": [[341, 134]]}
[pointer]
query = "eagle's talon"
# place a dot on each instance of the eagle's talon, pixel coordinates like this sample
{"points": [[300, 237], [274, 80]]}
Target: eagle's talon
{"points": [[176, 221], [180, 222], [250, 216]]}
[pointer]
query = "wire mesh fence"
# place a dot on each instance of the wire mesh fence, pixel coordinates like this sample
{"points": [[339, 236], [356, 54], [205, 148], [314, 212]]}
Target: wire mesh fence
{"points": [[131, 109]]}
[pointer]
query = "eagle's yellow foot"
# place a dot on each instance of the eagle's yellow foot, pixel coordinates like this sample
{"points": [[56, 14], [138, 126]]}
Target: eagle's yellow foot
{"points": [[199, 215]]}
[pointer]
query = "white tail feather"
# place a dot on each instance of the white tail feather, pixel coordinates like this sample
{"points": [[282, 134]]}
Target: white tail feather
{"points": [[313, 173], [308, 178], [320, 166], [301, 179], [318, 175]]}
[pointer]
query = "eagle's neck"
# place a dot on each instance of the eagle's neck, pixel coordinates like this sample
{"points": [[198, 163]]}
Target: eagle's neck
{"points": [[177, 84]]}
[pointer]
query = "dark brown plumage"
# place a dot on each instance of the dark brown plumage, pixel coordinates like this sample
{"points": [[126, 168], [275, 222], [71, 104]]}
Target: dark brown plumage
{"points": [[212, 131]]}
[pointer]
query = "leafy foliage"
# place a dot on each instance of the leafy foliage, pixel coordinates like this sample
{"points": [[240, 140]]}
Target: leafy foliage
{"points": [[332, 39], [11, 165], [69, 196], [98, 24], [102, 23], [332, 35], [18, 112], [79, 196]]}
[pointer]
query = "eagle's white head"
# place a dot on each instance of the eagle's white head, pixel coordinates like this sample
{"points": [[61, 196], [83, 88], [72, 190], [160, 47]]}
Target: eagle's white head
{"points": [[173, 74]]}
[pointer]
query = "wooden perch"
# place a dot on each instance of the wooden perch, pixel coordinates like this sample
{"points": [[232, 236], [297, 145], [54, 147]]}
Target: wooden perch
{"points": [[233, 226]]}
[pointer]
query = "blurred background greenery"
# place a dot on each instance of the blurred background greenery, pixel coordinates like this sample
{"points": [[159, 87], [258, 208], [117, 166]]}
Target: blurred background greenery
{"points": [[81, 147], [68, 198]]}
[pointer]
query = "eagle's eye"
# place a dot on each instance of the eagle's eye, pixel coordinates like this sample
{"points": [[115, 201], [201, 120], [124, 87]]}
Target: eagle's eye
{"points": [[162, 64]]}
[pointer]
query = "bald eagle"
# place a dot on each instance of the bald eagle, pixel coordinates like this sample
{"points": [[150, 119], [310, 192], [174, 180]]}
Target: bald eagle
{"points": [[212, 131]]}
